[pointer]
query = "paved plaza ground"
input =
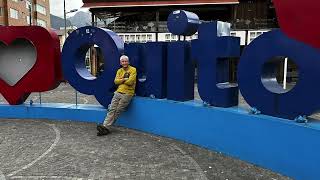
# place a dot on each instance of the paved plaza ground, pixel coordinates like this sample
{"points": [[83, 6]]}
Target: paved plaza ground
{"points": [[42, 149]]}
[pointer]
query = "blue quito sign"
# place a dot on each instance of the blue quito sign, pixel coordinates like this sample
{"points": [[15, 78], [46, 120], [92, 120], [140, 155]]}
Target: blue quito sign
{"points": [[166, 69]]}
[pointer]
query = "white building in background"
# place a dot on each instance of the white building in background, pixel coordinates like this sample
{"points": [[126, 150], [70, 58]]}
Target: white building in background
{"points": [[246, 36]]}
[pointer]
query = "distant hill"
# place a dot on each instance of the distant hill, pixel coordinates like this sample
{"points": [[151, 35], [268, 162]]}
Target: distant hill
{"points": [[80, 19], [58, 22]]}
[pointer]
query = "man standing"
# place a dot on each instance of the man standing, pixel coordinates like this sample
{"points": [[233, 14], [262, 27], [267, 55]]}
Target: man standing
{"points": [[126, 82]]}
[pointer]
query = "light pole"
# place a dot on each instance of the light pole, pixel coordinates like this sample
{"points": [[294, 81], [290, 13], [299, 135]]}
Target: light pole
{"points": [[65, 33], [65, 21], [65, 18]]}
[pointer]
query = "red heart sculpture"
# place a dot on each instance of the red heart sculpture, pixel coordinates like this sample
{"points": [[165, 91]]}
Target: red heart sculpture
{"points": [[44, 75], [299, 20]]}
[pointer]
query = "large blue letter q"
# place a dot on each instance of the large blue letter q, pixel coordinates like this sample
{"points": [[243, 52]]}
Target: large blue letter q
{"points": [[73, 61]]}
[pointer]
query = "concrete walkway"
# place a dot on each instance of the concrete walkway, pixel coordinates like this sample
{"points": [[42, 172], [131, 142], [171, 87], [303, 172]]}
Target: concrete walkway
{"points": [[41, 149]]}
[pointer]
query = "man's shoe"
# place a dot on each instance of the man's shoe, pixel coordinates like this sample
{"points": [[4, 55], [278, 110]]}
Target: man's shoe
{"points": [[102, 130], [102, 134]]}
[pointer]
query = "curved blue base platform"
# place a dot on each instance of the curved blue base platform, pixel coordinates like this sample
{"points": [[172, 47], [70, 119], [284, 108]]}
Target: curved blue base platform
{"points": [[55, 111], [277, 144]]}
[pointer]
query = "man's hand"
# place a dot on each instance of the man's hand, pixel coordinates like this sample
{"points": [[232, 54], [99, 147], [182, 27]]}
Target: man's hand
{"points": [[123, 80]]}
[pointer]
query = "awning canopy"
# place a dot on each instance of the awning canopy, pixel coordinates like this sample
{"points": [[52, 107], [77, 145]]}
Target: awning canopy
{"points": [[108, 3]]}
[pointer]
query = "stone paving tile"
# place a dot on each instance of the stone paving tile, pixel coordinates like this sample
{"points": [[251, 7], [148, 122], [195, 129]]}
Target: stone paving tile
{"points": [[70, 150]]}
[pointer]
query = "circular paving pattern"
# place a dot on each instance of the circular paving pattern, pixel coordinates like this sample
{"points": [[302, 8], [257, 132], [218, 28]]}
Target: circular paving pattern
{"points": [[40, 149]]}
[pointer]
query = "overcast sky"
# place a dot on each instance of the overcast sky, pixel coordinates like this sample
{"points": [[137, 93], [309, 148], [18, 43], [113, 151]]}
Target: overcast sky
{"points": [[56, 6]]}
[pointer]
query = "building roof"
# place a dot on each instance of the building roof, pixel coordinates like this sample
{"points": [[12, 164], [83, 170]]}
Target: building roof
{"points": [[128, 3]]}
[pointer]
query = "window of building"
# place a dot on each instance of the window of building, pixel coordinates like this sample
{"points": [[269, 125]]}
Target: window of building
{"points": [[41, 23], [41, 9], [14, 13], [255, 34], [196, 36], [143, 38], [132, 38], [167, 37], [149, 37], [126, 39], [174, 37], [28, 19], [1, 11]]}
